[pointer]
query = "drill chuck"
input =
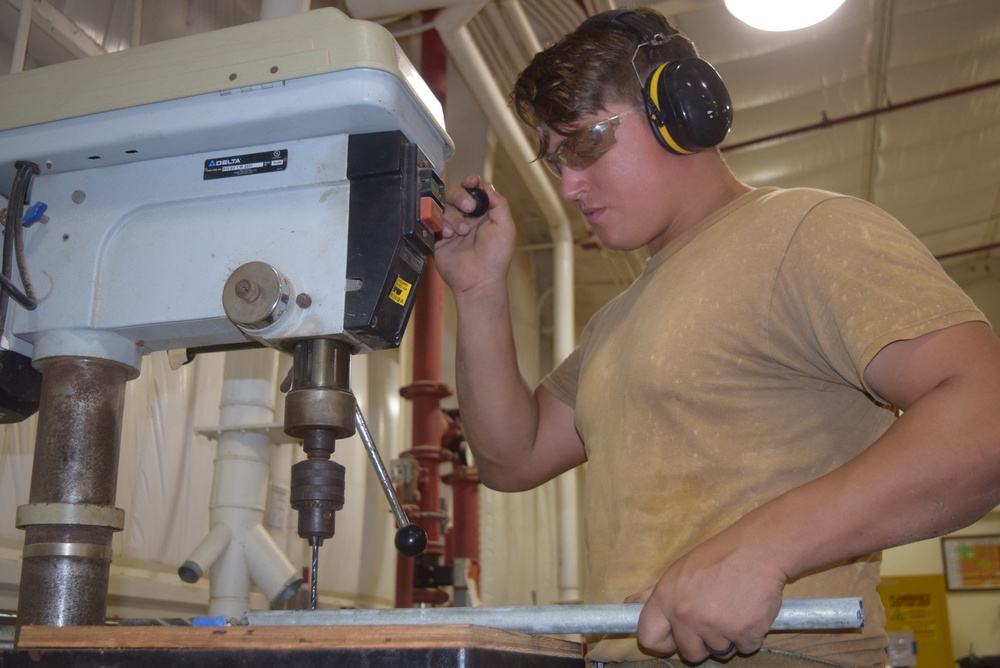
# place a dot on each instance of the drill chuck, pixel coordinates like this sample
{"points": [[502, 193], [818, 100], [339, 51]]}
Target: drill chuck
{"points": [[317, 494]]}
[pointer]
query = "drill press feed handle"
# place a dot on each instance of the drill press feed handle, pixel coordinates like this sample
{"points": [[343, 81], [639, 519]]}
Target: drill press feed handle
{"points": [[411, 539]]}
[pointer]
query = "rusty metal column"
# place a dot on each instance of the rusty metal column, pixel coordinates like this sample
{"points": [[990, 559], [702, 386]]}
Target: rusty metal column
{"points": [[71, 514], [426, 393]]}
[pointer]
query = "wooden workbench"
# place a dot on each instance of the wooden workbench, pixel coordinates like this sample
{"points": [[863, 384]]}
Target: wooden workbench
{"points": [[299, 646]]}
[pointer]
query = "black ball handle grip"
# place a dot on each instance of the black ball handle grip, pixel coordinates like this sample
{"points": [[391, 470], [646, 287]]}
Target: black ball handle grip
{"points": [[482, 202], [411, 539]]}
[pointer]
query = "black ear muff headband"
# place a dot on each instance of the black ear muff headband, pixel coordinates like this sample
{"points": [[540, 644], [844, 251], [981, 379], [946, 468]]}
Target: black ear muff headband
{"points": [[687, 105]]}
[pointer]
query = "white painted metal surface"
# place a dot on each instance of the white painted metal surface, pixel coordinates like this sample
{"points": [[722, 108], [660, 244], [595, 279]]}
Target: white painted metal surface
{"points": [[142, 237]]}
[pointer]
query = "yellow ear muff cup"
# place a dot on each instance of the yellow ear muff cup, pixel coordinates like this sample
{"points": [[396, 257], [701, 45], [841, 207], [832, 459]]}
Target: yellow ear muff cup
{"points": [[656, 114]]}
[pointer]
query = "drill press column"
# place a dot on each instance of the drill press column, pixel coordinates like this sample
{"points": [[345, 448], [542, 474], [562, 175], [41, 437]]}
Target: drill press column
{"points": [[71, 513]]}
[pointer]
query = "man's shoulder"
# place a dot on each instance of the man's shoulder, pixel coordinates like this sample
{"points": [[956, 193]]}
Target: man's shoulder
{"points": [[803, 197]]}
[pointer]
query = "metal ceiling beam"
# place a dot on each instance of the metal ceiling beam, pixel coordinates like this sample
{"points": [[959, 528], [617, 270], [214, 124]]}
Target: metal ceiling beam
{"points": [[829, 123]]}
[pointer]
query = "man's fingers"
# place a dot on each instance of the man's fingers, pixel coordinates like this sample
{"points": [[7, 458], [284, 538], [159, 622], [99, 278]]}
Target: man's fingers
{"points": [[639, 596]]}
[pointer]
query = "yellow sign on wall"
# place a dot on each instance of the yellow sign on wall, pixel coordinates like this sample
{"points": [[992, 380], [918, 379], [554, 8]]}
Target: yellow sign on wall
{"points": [[918, 604]]}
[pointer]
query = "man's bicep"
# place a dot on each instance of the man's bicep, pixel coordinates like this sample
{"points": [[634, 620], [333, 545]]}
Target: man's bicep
{"points": [[904, 371], [558, 446]]}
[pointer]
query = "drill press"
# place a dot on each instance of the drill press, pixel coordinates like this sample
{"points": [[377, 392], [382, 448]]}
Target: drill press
{"points": [[292, 165]]}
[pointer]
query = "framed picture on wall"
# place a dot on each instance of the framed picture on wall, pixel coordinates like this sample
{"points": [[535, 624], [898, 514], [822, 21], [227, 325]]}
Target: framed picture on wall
{"points": [[971, 563]]}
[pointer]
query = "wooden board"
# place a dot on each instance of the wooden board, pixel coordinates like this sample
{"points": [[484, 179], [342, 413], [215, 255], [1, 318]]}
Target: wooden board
{"points": [[292, 637]]}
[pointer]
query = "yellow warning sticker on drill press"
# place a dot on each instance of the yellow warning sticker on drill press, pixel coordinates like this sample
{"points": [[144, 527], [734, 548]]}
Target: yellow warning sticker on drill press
{"points": [[400, 291]]}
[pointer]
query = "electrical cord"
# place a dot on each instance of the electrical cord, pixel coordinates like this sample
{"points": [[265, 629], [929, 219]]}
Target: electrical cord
{"points": [[13, 244]]}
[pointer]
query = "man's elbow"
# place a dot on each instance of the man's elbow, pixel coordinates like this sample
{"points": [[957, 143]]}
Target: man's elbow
{"points": [[505, 481]]}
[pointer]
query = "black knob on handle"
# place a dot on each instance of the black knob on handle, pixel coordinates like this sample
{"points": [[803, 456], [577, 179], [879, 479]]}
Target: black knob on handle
{"points": [[411, 540], [482, 202]]}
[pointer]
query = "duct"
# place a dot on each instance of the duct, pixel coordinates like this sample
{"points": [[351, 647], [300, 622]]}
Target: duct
{"points": [[377, 9], [135, 36], [21, 41], [274, 9], [238, 549], [563, 342], [452, 25]]}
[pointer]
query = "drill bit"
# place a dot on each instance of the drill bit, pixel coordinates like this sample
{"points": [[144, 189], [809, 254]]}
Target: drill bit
{"points": [[313, 588]]}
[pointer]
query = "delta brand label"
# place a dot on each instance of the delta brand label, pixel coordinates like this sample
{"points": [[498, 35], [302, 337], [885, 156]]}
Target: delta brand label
{"points": [[244, 165]]}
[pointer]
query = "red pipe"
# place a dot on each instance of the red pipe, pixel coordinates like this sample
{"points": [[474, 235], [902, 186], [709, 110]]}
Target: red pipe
{"points": [[463, 539], [427, 390], [828, 123], [426, 393], [967, 251]]}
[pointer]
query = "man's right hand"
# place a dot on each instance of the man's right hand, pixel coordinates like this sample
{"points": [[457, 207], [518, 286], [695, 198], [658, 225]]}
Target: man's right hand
{"points": [[475, 252]]}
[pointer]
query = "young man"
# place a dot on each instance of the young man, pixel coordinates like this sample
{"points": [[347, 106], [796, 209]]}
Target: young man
{"points": [[735, 404]]}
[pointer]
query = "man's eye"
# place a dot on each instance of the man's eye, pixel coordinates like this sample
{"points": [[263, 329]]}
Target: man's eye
{"points": [[590, 143]]}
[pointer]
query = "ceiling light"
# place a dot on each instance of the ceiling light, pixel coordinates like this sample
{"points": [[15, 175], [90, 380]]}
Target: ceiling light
{"points": [[777, 15]]}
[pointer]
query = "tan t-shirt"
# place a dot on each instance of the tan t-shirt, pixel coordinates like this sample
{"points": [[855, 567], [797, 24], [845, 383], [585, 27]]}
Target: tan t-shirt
{"points": [[732, 371]]}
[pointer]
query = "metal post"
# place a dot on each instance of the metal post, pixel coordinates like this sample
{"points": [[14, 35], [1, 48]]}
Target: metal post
{"points": [[71, 514]]}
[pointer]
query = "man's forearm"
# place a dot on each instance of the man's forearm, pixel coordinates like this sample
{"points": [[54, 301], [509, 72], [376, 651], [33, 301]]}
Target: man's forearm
{"points": [[499, 412]]}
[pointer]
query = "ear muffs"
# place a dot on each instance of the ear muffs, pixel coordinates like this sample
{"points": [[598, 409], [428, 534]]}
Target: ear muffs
{"points": [[687, 105]]}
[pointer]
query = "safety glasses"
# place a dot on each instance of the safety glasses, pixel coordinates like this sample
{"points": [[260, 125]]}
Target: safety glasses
{"points": [[582, 148]]}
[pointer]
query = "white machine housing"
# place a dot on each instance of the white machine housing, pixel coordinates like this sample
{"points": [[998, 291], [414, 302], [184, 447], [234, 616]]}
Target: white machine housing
{"points": [[168, 166]]}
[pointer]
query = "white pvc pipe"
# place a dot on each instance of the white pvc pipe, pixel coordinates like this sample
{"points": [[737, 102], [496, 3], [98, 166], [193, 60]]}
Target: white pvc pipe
{"points": [[239, 490], [268, 566], [451, 25], [567, 483], [208, 551]]}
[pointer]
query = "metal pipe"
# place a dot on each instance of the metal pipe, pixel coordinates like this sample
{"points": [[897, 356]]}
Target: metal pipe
{"points": [[967, 251], [71, 516], [380, 471], [426, 390], [135, 38], [829, 123], [452, 24], [811, 614]]}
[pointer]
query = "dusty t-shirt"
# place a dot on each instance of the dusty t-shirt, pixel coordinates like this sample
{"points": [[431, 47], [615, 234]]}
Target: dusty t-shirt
{"points": [[732, 371]]}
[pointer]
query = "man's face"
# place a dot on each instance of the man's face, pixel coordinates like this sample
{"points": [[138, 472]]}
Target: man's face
{"points": [[612, 166]]}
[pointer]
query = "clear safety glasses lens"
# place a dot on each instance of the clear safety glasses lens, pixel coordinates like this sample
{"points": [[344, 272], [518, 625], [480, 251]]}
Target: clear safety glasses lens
{"points": [[582, 148]]}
